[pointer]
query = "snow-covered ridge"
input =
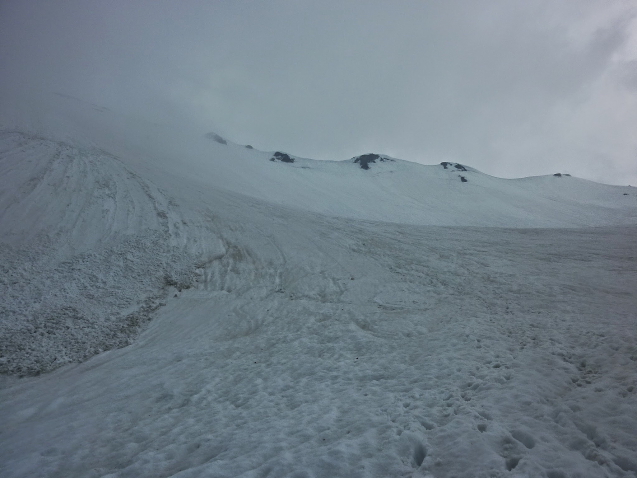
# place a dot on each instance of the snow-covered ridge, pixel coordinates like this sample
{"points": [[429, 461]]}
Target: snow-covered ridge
{"points": [[371, 186]]}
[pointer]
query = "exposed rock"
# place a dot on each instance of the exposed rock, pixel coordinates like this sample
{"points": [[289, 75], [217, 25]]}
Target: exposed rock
{"points": [[365, 159], [458, 166], [463, 179], [249, 147], [216, 137], [284, 158], [558, 175]]}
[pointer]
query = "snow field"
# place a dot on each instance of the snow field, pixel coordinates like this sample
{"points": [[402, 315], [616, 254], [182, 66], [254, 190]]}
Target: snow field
{"points": [[317, 346], [240, 317]]}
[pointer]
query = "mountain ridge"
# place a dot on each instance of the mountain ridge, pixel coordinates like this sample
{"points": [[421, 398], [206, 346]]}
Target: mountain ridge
{"points": [[371, 186]]}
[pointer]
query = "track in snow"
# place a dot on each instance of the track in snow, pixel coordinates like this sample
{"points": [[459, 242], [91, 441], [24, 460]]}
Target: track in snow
{"points": [[88, 251], [340, 348], [288, 343]]}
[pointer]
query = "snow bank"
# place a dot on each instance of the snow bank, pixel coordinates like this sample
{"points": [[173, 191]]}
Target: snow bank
{"points": [[89, 250]]}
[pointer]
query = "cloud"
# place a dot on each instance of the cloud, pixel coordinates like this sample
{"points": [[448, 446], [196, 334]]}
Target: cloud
{"points": [[511, 87]]}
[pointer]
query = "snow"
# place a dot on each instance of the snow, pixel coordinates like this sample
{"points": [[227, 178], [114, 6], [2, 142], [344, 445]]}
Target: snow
{"points": [[180, 307]]}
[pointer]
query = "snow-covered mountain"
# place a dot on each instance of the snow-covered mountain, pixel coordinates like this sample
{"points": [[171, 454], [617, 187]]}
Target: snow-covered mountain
{"points": [[386, 189], [175, 304]]}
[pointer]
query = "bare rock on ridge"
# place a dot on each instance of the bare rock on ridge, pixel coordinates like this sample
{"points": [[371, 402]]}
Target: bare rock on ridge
{"points": [[457, 166], [216, 137], [283, 157], [365, 159]]}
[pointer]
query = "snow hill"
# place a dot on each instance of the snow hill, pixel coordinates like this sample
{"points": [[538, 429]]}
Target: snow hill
{"points": [[387, 189], [175, 304]]}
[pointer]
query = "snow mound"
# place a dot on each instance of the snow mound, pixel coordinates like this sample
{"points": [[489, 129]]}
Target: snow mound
{"points": [[87, 252]]}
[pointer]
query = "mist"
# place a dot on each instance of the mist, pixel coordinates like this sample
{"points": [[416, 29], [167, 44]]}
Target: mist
{"points": [[511, 88]]}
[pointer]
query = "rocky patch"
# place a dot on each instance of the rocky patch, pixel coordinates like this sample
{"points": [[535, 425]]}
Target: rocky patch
{"points": [[284, 158], [457, 166], [365, 159], [216, 137]]}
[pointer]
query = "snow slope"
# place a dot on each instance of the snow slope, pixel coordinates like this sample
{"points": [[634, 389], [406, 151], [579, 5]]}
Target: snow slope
{"points": [[303, 319], [394, 191]]}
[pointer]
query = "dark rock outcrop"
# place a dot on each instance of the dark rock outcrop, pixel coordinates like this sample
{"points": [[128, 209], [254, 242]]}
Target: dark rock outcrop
{"points": [[216, 137], [458, 166], [463, 179], [249, 147], [365, 159], [284, 158]]}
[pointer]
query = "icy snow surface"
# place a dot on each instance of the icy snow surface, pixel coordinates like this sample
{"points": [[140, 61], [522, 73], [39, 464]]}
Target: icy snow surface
{"points": [[306, 319]]}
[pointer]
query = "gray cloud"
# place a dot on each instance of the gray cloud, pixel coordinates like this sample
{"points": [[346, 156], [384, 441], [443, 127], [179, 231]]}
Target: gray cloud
{"points": [[511, 87]]}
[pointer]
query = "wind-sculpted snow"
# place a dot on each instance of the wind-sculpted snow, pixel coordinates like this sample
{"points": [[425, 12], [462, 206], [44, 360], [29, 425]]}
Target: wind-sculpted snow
{"points": [[88, 250], [264, 335]]}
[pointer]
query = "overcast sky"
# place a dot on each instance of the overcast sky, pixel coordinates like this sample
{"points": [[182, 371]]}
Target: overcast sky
{"points": [[511, 87]]}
